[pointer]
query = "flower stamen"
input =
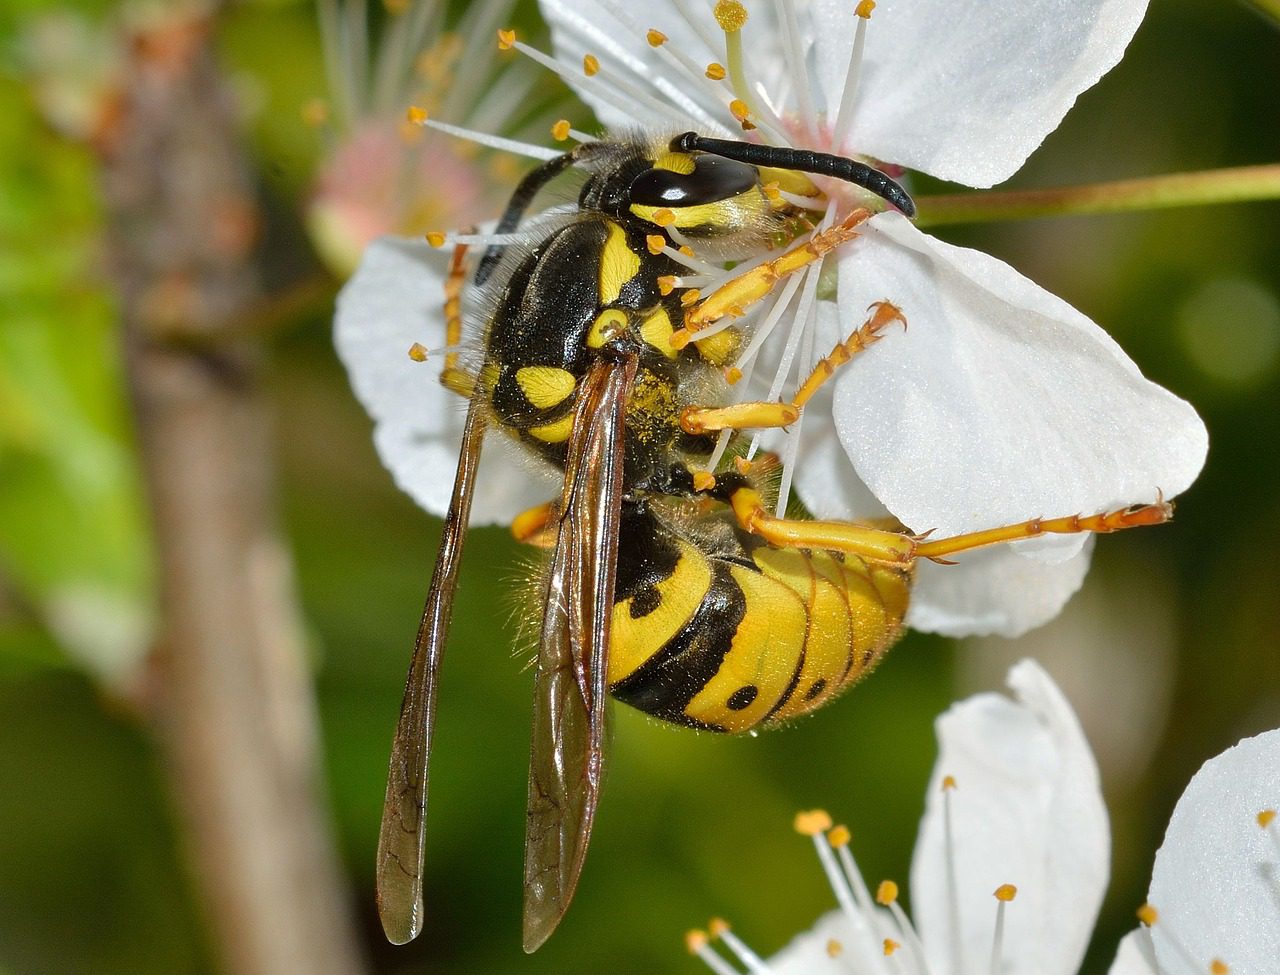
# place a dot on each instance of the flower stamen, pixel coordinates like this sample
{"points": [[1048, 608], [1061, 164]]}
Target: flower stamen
{"points": [[418, 116], [844, 117], [1151, 921], [887, 896], [1004, 895], [719, 928], [731, 15], [698, 944], [796, 67], [590, 77], [953, 886]]}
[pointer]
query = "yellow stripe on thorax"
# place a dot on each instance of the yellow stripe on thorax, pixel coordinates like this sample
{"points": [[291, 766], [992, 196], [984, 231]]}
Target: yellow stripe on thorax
{"points": [[557, 431], [657, 331], [545, 386], [618, 264], [763, 655], [636, 639]]}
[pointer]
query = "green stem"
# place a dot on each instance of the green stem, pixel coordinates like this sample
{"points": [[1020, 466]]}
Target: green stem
{"points": [[1149, 193]]}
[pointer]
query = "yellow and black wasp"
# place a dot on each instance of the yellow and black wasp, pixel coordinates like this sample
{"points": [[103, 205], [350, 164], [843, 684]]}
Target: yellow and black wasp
{"points": [[670, 587]]}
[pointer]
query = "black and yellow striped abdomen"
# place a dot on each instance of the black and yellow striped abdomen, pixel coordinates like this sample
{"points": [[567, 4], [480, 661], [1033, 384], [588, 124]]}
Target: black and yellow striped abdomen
{"points": [[730, 641]]}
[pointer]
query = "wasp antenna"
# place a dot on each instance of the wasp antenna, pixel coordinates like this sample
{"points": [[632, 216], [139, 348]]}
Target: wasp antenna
{"points": [[804, 161]]}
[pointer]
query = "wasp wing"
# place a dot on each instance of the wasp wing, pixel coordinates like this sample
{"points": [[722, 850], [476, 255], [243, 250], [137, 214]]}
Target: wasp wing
{"points": [[567, 759], [400, 840]]}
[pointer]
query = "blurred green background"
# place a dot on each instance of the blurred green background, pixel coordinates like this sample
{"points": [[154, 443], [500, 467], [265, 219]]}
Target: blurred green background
{"points": [[1170, 654]]}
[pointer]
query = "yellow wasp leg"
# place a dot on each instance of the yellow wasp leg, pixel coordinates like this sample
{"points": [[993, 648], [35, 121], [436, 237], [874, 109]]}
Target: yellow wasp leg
{"points": [[733, 297], [536, 525], [1135, 516], [757, 414], [453, 378], [873, 544]]}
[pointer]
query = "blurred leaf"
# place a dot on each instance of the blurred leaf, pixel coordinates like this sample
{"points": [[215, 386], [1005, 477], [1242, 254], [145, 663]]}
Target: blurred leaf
{"points": [[72, 539]]}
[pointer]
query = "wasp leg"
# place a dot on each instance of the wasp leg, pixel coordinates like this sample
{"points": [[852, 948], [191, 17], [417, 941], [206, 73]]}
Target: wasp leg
{"points": [[872, 544], [537, 525], [875, 544], [733, 297], [455, 379], [1135, 516], [758, 414]]}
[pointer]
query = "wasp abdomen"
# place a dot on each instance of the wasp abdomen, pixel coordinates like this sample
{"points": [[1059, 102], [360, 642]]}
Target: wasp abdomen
{"points": [[730, 642]]}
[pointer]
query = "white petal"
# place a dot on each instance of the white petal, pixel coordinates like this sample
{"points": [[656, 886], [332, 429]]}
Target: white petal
{"points": [[967, 89], [807, 954], [1133, 956], [989, 591], [1000, 402], [617, 38], [1027, 810], [1216, 880], [394, 300], [993, 591]]}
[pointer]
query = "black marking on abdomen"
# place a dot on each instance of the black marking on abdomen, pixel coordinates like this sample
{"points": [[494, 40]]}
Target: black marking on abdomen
{"points": [[665, 683], [742, 697]]}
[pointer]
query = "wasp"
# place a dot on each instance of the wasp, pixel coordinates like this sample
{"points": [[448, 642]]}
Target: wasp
{"points": [[670, 587]]}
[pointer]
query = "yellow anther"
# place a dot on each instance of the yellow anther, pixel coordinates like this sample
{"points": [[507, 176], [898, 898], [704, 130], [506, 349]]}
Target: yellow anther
{"points": [[415, 115], [834, 948], [436, 238], [655, 37], [1219, 967], [663, 217], [732, 374], [1006, 893], [679, 338], [772, 193], [890, 946], [812, 823], [315, 112], [1148, 915], [590, 65], [695, 941], [1266, 817], [886, 893], [738, 108], [506, 39], [864, 8], [948, 783], [686, 250], [655, 242], [839, 836], [704, 481], [560, 131], [717, 926], [418, 352], [742, 464], [715, 71], [730, 15], [666, 284], [690, 297]]}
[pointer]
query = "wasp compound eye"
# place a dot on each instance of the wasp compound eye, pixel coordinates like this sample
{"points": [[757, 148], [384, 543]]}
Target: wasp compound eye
{"points": [[711, 179]]}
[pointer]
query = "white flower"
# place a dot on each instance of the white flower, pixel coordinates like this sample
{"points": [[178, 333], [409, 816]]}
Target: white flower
{"points": [[1014, 809], [1012, 855], [379, 174], [998, 404], [1214, 902]]}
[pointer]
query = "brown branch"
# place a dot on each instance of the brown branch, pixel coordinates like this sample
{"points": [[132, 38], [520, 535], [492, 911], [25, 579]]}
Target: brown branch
{"points": [[235, 712]]}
